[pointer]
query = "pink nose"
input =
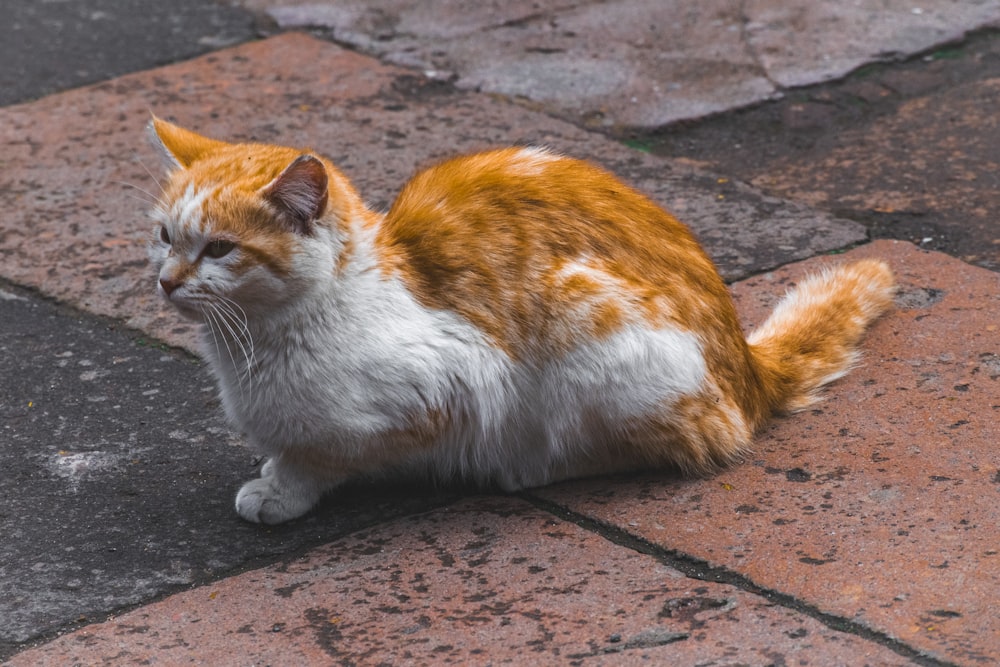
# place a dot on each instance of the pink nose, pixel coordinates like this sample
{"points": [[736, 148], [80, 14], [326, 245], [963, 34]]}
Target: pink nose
{"points": [[169, 285]]}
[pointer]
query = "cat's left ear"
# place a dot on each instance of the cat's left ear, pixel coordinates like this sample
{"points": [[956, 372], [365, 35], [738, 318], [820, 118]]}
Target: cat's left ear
{"points": [[180, 147], [300, 193]]}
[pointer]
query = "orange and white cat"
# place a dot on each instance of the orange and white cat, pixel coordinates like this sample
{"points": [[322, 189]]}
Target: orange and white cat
{"points": [[516, 318]]}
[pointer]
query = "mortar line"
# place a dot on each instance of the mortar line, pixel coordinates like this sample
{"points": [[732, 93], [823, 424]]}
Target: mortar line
{"points": [[701, 570]]}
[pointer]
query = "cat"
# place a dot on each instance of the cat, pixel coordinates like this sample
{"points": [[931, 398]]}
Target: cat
{"points": [[516, 318]]}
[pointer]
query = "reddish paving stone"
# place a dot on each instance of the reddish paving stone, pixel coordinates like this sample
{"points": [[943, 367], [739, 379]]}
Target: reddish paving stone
{"points": [[881, 505], [74, 223], [486, 581]]}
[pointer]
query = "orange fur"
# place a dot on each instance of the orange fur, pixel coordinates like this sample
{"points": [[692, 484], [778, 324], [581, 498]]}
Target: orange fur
{"points": [[485, 237], [812, 337]]}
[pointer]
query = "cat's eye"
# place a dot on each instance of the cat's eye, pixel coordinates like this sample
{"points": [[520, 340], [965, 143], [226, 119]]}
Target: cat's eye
{"points": [[219, 248], [164, 235]]}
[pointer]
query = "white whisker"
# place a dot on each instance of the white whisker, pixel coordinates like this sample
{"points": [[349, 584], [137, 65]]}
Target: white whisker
{"points": [[153, 199], [142, 199], [211, 329], [214, 315], [151, 174], [236, 323]]}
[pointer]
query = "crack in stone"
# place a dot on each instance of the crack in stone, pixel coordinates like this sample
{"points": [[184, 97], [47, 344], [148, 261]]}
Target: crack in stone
{"points": [[701, 570]]}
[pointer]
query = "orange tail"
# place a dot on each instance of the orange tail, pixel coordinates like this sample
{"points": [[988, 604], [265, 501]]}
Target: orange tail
{"points": [[811, 338]]}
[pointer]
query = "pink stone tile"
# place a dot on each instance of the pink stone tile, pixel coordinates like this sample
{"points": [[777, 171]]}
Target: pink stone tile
{"points": [[488, 581], [881, 505]]}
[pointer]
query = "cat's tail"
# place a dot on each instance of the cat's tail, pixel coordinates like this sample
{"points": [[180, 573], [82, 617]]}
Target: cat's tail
{"points": [[811, 338]]}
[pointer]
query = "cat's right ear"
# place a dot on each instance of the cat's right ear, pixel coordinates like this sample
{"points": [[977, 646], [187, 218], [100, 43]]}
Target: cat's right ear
{"points": [[300, 193], [178, 147]]}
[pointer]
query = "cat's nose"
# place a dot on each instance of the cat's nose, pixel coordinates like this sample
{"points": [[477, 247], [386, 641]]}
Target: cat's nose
{"points": [[169, 285]]}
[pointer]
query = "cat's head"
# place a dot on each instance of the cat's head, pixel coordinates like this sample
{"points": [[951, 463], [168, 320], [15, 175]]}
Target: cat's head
{"points": [[245, 224]]}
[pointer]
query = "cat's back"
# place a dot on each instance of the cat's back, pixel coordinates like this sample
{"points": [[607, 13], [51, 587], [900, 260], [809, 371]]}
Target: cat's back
{"points": [[518, 239], [528, 199]]}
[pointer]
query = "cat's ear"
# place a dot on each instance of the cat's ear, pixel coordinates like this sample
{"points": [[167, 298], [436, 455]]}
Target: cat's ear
{"points": [[299, 193], [179, 147]]}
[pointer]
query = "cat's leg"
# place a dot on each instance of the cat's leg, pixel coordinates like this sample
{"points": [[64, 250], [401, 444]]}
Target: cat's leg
{"points": [[286, 489]]}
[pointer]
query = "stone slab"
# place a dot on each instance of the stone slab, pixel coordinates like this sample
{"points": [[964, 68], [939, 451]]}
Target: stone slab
{"points": [[881, 504], [637, 63], [632, 62], [77, 175], [119, 475], [486, 581], [942, 197], [910, 150], [803, 42]]}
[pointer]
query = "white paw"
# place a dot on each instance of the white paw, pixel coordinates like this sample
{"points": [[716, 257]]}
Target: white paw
{"points": [[263, 500]]}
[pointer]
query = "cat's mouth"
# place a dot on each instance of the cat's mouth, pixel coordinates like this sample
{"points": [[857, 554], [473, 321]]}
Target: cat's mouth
{"points": [[191, 312], [222, 316], [192, 308]]}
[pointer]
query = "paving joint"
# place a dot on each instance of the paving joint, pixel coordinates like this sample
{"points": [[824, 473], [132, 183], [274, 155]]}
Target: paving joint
{"points": [[69, 309], [259, 562], [701, 570]]}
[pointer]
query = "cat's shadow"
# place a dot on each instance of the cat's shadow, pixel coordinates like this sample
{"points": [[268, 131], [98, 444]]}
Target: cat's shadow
{"points": [[368, 502]]}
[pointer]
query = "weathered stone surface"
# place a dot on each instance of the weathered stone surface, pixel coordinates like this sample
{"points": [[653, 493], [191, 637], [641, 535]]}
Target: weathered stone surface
{"points": [[639, 63], [880, 505], [78, 174], [631, 62], [939, 199], [910, 150], [119, 475], [805, 41], [877, 509], [50, 46], [485, 581]]}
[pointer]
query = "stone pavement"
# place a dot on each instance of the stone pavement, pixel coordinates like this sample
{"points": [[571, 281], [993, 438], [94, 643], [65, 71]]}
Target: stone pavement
{"points": [[636, 63], [911, 150], [862, 532]]}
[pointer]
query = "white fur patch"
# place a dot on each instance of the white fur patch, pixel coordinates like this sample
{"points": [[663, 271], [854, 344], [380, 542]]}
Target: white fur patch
{"points": [[186, 210], [531, 160]]}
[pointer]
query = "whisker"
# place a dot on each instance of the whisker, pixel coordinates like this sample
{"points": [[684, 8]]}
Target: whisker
{"points": [[228, 318], [151, 174], [208, 323], [136, 187], [215, 316], [249, 351], [142, 199], [243, 321]]}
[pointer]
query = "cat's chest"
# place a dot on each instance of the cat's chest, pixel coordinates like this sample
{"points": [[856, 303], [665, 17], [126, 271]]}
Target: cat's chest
{"points": [[333, 384]]}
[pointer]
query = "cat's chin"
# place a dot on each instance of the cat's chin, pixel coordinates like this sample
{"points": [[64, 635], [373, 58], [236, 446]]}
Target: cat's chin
{"points": [[189, 313]]}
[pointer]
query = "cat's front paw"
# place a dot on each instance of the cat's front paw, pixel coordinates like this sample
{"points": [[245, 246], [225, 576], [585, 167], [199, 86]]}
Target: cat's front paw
{"points": [[263, 500]]}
